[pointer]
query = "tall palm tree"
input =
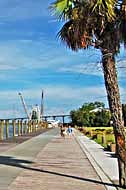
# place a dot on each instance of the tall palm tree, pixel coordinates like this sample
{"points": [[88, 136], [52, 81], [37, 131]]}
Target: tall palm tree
{"points": [[102, 24]]}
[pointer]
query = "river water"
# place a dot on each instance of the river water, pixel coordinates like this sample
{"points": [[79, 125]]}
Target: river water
{"points": [[10, 129]]}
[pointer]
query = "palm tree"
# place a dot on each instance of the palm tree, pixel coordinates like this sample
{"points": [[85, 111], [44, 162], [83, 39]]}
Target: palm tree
{"points": [[102, 24]]}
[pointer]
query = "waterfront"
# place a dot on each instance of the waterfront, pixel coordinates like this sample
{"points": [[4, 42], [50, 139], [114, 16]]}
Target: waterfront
{"points": [[13, 128]]}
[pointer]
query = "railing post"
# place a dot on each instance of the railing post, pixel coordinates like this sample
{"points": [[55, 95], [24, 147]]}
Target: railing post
{"points": [[2, 130], [19, 128], [40, 125], [36, 125], [22, 127], [25, 126], [29, 126], [7, 128], [33, 126], [14, 128]]}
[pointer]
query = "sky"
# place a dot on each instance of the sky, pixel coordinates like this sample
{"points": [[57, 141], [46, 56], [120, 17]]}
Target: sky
{"points": [[33, 59]]}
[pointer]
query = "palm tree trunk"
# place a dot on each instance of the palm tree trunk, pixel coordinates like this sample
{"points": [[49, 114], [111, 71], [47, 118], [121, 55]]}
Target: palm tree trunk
{"points": [[111, 83]]}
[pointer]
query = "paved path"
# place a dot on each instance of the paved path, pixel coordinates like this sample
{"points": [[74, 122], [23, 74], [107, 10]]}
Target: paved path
{"points": [[12, 142], [49, 162], [60, 165], [13, 160]]}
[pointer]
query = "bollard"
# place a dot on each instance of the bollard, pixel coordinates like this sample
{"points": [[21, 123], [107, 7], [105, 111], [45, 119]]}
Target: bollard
{"points": [[104, 138], [25, 127], [40, 125], [37, 125], [14, 128], [19, 128], [29, 126], [7, 128], [34, 126], [1, 129]]}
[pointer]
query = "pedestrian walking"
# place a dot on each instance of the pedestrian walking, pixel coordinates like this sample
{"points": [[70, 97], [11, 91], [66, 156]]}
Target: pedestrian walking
{"points": [[70, 130], [62, 131]]}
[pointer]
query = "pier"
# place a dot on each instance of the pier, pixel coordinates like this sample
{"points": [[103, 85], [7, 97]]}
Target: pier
{"points": [[11, 128]]}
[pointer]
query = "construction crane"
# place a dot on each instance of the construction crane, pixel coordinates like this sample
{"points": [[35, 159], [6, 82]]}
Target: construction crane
{"points": [[24, 105]]}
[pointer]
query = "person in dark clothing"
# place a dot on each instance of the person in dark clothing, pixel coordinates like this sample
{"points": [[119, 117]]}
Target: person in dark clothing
{"points": [[62, 130]]}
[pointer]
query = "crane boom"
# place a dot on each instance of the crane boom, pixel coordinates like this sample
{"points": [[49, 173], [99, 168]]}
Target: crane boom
{"points": [[24, 105]]}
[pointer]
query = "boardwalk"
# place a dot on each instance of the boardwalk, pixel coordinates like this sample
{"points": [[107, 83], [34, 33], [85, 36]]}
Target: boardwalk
{"points": [[48, 162]]}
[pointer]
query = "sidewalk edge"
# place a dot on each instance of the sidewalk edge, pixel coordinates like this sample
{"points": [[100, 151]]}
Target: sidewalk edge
{"points": [[104, 178]]}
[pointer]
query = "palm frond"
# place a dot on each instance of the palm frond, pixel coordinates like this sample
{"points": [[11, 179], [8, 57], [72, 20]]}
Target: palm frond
{"points": [[105, 8], [76, 35], [92, 22], [60, 8]]}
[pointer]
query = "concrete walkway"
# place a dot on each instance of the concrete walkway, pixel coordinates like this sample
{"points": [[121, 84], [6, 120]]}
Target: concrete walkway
{"points": [[15, 159], [49, 162]]}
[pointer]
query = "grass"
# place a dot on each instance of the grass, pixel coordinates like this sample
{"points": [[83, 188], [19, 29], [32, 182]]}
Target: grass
{"points": [[102, 135]]}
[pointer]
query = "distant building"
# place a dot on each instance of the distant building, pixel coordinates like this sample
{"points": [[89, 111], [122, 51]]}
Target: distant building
{"points": [[99, 109]]}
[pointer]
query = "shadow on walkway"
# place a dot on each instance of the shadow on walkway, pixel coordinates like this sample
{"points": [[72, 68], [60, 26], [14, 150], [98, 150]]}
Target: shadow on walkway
{"points": [[10, 161]]}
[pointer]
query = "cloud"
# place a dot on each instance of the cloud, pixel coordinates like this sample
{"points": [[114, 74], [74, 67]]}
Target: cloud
{"points": [[55, 98], [94, 68], [6, 67], [69, 93], [10, 114], [121, 68], [27, 54], [87, 68], [43, 54]]}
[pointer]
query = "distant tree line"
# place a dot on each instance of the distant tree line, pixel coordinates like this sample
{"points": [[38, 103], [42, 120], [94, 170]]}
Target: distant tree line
{"points": [[85, 116], [91, 115]]}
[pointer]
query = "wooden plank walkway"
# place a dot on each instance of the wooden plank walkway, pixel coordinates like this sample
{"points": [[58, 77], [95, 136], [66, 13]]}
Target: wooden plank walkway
{"points": [[60, 165], [17, 157]]}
